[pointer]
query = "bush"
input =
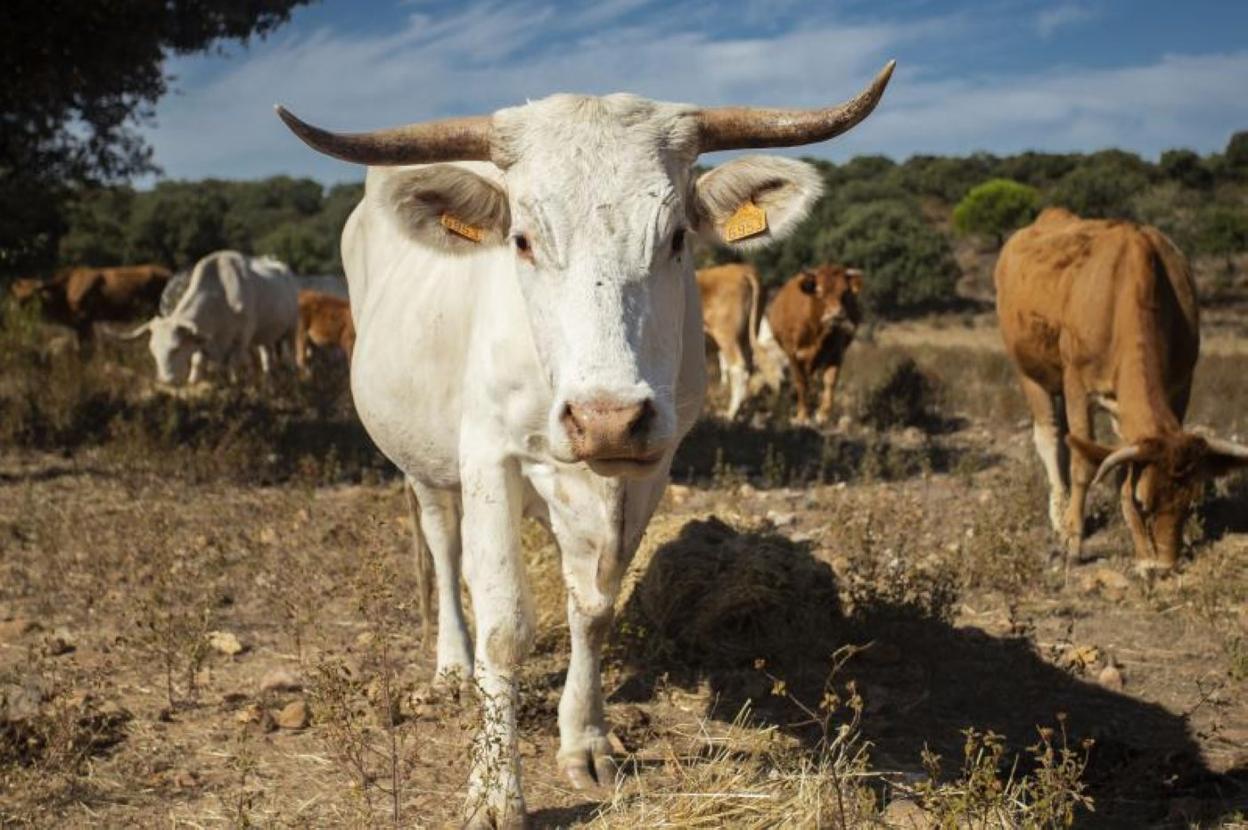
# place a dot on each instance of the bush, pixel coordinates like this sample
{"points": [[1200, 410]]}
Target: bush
{"points": [[1103, 186], [909, 264], [996, 207]]}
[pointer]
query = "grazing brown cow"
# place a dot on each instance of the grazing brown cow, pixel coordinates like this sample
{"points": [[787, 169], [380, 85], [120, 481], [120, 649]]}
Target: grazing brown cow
{"points": [[1103, 313], [730, 306], [813, 318], [325, 322], [81, 297]]}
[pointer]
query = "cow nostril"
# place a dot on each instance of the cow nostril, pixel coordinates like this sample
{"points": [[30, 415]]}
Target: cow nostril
{"points": [[571, 423], [642, 419]]}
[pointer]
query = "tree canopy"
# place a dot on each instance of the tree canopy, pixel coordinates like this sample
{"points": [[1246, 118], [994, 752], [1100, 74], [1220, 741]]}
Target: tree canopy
{"points": [[995, 208], [79, 76]]}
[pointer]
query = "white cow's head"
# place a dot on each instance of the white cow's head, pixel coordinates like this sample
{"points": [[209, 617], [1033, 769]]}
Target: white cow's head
{"points": [[172, 343], [597, 200]]}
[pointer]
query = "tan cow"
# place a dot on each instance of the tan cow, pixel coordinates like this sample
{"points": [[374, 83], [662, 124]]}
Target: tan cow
{"points": [[324, 322], [730, 307], [813, 318], [81, 297], [1103, 314]]}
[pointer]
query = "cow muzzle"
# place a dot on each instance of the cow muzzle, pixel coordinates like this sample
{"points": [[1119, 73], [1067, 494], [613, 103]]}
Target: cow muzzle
{"points": [[611, 434]]}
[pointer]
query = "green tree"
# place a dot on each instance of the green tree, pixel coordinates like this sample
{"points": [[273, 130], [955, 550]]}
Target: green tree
{"points": [[1186, 168], [909, 265], [995, 208], [1103, 185], [1237, 152], [79, 76]]}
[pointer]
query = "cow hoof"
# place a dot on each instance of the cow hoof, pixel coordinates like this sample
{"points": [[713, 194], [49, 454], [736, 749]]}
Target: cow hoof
{"points": [[1150, 569], [484, 819], [590, 770]]}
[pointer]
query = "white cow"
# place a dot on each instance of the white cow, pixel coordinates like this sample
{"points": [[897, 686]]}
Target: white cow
{"points": [[234, 308], [530, 343]]}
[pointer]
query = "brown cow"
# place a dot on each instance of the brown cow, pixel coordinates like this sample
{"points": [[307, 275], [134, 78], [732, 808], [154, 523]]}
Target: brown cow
{"points": [[81, 297], [1103, 313], [813, 318], [730, 305], [325, 322]]}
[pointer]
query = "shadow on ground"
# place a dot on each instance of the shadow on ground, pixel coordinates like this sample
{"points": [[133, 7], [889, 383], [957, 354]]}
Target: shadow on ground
{"points": [[714, 600], [787, 455]]}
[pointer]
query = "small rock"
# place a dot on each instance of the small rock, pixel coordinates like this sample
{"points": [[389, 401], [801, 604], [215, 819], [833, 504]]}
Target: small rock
{"points": [[294, 715], [185, 780], [781, 520], [1111, 677], [58, 644], [280, 680], [225, 642], [1109, 583], [904, 814]]}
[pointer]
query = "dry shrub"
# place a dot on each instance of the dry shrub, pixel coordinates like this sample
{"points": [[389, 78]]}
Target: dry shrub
{"points": [[717, 594], [751, 776]]}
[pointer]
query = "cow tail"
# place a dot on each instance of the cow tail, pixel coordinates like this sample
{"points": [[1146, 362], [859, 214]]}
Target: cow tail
{"points": [[756, 301], [424, 567]]}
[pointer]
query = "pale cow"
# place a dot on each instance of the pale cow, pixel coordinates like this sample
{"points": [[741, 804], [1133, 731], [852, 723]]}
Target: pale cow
{"points": [[529, 343], [730, 301], [233, 308]]}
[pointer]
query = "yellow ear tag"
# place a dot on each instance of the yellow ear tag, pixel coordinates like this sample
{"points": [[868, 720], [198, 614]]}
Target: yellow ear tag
{"points": [[461, 228], [749, 220]]}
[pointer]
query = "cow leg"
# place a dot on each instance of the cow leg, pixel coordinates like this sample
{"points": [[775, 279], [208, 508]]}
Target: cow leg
{"points": [[733, 373], [584, 750], [266, 361], [197, 367], [829, 389], [801, 387], [1046, 433], [1079, 420], [503, 609], [435, 531]]}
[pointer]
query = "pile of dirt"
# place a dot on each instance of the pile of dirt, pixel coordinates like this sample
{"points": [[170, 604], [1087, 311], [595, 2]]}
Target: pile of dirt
{"points": [[716, 594]]}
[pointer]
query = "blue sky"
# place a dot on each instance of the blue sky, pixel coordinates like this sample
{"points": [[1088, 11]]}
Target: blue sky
{"points": [[996, 75]]}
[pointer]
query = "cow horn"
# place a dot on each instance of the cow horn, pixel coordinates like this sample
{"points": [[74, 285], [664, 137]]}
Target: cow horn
{"points": [[452, 139], [136, 333], [1220, 446], [1119, 456], [735, 128]]}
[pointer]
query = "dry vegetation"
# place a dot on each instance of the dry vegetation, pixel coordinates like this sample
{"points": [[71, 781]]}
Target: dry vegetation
{"points": [[208, 618]]}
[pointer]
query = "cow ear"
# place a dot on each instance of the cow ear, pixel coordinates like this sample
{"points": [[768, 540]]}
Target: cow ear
{"points": [[447, 207], [755, 200], [855, 279]]}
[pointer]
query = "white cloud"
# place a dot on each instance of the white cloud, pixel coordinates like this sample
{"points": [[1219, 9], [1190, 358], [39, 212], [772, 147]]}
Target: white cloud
{"points": [[492, 55], [1049, 20]]}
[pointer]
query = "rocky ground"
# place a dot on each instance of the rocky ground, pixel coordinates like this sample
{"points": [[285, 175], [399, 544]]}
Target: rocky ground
{"points": [[811, 621]]}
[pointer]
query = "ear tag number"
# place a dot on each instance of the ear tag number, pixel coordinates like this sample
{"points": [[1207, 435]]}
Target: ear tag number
{"points": [[461, 228], [749, 220]]}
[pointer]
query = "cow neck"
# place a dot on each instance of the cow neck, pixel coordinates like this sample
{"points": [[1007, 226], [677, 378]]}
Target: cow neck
{"points": [[1143, 405]]}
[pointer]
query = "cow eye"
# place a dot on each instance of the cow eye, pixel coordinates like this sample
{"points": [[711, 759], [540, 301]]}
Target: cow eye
{"points": [[522, 243], [678, 241]]}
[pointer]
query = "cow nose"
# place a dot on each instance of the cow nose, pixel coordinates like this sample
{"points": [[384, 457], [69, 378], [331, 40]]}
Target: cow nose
{"points": [[606, 429]]}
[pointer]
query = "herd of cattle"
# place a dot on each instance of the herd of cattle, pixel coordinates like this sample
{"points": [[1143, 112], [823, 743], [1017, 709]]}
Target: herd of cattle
{"points": [[228, 309], [527, 338]]}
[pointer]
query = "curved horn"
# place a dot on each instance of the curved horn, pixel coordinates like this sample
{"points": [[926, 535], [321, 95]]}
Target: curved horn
{"points": [[136, 333], [735, 128], [1230, 449], [452, 139], [1119, 456]]}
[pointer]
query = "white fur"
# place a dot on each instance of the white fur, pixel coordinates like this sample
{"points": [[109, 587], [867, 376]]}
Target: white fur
{"points": [[231, 306], [784, 188], [464, 364]]}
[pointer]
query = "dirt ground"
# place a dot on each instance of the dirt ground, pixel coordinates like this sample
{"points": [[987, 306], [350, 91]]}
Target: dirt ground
{"points": [[180, 647]]}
